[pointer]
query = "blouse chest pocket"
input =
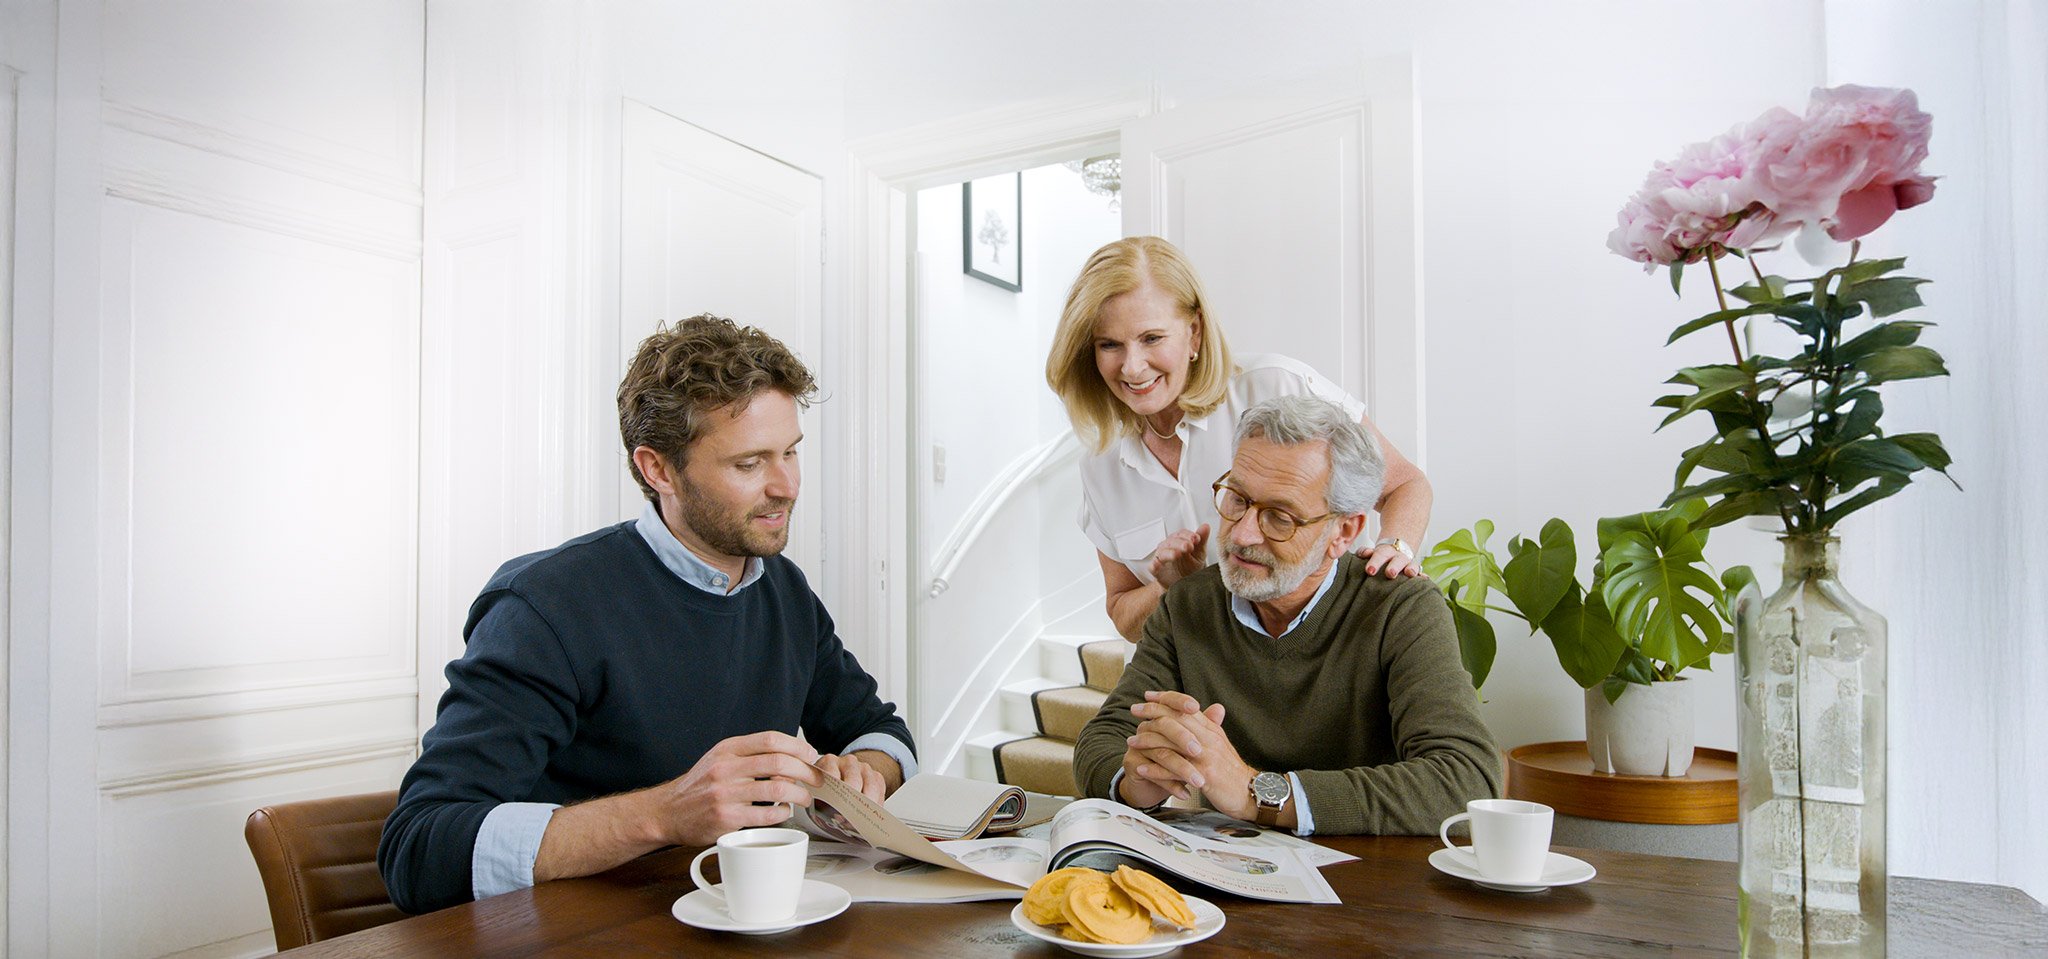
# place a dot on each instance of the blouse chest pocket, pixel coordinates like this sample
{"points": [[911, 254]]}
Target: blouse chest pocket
{"points": [[1137, 544]]}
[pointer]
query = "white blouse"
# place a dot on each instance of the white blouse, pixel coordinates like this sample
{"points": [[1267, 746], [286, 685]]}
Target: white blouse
{"points": [[1129, 502]]}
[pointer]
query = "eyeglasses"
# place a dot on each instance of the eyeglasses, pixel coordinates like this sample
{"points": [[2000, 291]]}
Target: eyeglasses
{"points": [[1277, 524]]}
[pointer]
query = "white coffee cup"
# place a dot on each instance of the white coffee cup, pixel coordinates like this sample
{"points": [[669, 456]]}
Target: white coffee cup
{"points": [[1510, 838], [763, 871]]}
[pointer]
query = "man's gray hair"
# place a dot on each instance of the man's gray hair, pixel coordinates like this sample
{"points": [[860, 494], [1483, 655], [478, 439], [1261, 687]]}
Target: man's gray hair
{"points": [[1357, 471]]}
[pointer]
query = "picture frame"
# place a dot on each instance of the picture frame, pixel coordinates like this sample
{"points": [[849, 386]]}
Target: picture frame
{"points": [[992, 230]]}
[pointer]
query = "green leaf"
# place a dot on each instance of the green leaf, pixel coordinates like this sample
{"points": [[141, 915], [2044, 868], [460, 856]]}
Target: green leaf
{"points": [[1539, 573], [1716, 318], [1772, 291], [1899, 363], [1734, 580], [1738, 482], [1869, 459], [1583, 634], [1884, 488], [1881, 336], [1886, 296], [1928, 449], [1661, 594], [1677, 268], [1718, 386], [1476, 645], [1610, 529], [1735, 452], [1729, 508], [1861, 420], [1463, 558], [1633, 667], [1806, 320], [1862, 270]]}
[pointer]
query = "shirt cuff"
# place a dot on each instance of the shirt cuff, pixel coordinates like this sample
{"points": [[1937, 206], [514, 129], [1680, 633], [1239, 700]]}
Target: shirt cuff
{"points": [[888, 746], [506, 845], [1304, 821]]}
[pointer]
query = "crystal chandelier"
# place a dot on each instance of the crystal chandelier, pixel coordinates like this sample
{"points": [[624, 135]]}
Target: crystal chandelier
{"points": [[1102, 175]]}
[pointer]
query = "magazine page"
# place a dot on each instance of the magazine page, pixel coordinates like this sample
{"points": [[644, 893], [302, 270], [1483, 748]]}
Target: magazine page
{"points": [[950, 807], [878, 875], [1099, 825], [1210, 824], [881, 829]]}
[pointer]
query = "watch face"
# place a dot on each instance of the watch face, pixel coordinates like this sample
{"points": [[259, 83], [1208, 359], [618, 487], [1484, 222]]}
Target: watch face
{"points": [[1270, 788]]}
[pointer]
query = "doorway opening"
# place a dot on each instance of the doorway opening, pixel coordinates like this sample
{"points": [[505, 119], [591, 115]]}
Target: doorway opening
{"points": [[994, 491]]}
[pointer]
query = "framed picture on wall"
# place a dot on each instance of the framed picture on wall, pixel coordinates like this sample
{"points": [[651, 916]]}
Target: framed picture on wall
{"points": [[992, 229]]}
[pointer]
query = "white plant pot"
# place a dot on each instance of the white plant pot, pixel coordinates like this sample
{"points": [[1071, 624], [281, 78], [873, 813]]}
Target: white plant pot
{"points": [[1646, 732]]}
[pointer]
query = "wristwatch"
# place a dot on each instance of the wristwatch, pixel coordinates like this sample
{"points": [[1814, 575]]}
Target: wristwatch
{"points": [[1270, 792], [1400, 546]]}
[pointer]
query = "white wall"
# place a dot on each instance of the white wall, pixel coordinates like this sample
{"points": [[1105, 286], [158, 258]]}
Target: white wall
{"points": [[1969, 736]]}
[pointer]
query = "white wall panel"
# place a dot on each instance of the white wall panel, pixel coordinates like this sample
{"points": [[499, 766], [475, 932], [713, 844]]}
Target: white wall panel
{"points": [[331, 90], [1273, 214], [150, 861], [233, 385], [253, 736], [262, 489]]}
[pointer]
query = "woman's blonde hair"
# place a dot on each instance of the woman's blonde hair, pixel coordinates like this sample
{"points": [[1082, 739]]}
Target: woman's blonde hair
{"points": [[1070, 368]]}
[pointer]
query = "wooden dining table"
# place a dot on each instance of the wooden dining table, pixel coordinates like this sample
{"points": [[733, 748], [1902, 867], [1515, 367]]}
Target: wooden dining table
{"points": [[1394, 904]]}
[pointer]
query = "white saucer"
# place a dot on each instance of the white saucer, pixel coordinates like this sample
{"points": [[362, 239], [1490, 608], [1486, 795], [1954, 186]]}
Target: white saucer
{"points": [[1558, 870], [1208, 920], [817, 902]]}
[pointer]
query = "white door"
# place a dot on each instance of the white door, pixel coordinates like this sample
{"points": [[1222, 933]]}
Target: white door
{"points": [[710, 226], [229, 380], [1300, 217]]}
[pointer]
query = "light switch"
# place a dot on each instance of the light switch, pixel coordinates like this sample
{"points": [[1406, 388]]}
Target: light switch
{"points": [[938, 463]]}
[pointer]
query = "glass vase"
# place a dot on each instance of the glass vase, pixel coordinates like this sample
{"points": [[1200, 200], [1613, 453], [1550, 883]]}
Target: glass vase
{"points": [[1810, 664]]}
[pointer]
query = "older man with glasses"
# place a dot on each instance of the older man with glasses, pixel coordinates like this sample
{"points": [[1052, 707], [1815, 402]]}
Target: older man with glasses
{"points": [[1287, 686]]}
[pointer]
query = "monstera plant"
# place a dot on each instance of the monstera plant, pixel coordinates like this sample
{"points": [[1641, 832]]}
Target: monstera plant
{"points": [[1653, 608]]}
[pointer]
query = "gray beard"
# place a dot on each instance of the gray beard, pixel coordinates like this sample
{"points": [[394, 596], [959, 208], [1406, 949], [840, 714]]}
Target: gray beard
{"points": [[1281, 580]]}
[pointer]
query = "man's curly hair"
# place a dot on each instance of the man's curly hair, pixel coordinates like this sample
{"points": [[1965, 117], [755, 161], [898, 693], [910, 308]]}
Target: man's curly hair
{"points": [[685, 371]]}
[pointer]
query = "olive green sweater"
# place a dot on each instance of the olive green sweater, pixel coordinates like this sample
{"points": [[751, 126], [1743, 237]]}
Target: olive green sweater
{"points": [[1366, 700]]}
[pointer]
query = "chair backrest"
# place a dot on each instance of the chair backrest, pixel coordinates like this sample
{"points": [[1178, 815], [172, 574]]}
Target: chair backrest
{"points": [[318, 860]]}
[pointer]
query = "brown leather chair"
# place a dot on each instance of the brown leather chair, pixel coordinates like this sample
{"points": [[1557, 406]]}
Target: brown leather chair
{"points": [[318, 860]]}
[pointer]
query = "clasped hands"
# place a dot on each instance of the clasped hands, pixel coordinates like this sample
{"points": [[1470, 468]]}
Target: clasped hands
{"points": [[1179, 747], [725, 790]]}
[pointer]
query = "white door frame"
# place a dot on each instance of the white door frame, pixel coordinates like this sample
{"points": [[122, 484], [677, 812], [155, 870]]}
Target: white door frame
{"points": [[884, 172]]}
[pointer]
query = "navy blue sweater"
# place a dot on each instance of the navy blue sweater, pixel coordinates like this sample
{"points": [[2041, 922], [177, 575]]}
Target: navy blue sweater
{"points": [[591, 669]]}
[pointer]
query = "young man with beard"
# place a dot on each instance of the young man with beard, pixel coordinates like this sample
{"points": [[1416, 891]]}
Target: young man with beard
{"points": [[1286, 685], [642, 686]]}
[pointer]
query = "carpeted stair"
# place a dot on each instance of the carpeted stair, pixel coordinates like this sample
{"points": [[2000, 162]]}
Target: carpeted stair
{"points": [[1045, 762]]}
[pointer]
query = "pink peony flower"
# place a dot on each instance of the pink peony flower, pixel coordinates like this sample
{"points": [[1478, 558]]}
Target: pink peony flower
{"points": [[1854, 142], [1698, 200], [1847, 166]]}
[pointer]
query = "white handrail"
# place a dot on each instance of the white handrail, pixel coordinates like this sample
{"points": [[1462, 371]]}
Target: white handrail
{"points": [[1050, 455]]}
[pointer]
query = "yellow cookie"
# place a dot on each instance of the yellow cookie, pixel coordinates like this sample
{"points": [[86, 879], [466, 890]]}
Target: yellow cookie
{"points": [[1045, 902], [1157, 897], [1105, 913]]}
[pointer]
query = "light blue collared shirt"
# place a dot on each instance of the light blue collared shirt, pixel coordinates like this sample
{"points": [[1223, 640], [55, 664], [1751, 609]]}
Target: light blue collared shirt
{"points": [[508, 840], [1246, 613]]}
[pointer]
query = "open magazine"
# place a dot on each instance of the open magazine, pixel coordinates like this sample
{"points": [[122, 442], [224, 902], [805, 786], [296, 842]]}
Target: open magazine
{"points": [[903, 866]]}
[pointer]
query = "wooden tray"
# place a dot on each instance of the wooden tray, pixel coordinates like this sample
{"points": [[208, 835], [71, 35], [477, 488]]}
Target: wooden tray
{"points": [[1561, 776]]}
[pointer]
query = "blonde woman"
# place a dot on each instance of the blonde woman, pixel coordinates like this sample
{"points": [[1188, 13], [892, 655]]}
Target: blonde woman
{"points": [[1153, 393]]}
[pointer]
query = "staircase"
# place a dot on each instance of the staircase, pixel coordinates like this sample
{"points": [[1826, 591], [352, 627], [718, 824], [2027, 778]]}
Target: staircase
{"points": [[1042, 716]]}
